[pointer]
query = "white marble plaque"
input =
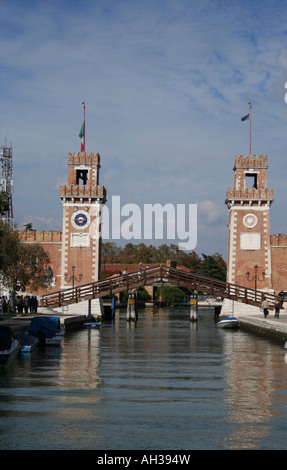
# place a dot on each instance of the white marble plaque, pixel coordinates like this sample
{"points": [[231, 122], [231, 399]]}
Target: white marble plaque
{"points": [[79, 240], [250, 241]]}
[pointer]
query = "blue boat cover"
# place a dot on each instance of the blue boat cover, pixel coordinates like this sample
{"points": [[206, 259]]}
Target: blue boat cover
{"points": [[47, 325]]}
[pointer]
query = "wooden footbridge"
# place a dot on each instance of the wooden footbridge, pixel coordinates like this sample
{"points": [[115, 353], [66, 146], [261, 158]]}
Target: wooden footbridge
{"points": [[158, 276]]}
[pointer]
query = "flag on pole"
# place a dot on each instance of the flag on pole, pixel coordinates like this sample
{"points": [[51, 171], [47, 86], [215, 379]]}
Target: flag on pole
{"points": [[245, 118], [82, 137]]}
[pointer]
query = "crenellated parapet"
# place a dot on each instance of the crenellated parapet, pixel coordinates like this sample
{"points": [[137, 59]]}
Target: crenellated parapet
{"points": [[278, 240], [75, 190], [40, 236], [250, 193], [83, 158], [251, 161]]}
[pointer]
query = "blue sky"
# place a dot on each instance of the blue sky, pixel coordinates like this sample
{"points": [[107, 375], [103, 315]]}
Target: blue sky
{"points": [[165, 85]]}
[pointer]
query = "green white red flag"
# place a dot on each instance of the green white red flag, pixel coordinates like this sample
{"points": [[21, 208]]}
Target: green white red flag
{"points": [[82, 137]]}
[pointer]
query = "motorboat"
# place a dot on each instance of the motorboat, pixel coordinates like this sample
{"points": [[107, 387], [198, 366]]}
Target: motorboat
{"points": [[228, 322], [9, 346], [28, 342], [47, 329]]}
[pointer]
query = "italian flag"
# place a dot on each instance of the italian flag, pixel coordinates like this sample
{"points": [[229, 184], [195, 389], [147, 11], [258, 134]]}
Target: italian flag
{"points": [[82, 137]]}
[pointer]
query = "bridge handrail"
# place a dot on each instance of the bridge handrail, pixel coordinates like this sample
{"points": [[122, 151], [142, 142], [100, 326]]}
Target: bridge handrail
{"points": [[160, 274]]}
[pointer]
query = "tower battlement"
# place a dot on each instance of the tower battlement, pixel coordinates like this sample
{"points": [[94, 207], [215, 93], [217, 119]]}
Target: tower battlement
{"points": [[40, 236], [260, 194], [75, 190], [84, 158], [250, 161]]}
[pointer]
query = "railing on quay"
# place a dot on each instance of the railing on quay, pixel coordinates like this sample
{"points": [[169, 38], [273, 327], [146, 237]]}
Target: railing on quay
{"points": [[159, 275]]}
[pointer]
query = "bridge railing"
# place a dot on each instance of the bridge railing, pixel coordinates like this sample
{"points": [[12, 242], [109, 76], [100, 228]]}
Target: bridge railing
{"points": [[158, 275], [220, 288]]}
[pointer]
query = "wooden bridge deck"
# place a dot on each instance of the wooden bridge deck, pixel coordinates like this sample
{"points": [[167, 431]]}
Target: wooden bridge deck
{"points": [[159, 275]]}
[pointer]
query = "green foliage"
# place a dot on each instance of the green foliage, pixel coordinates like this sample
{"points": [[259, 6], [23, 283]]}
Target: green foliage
{"points": [[209, 265], [170, 294], [21, 265], [213, 266], [4, 206], [142, 294]]}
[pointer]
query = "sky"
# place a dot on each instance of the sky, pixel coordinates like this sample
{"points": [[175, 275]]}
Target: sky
{"points": [[165, 84]]}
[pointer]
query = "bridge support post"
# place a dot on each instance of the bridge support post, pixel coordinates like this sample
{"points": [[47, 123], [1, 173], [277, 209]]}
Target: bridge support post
{"points": [[131, 307], [193, 306]]}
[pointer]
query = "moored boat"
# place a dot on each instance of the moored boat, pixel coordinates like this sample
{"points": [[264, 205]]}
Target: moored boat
{"points": [[9, 347], [228, 322], [47, 329]]}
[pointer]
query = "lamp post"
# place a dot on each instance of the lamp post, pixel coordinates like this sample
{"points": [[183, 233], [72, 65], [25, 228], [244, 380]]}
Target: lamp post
{"points": [[255, 277], [73, 277]]}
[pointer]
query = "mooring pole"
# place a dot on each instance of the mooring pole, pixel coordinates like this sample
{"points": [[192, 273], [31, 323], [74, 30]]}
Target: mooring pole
{"points": [[131, 307], [193, 306]]}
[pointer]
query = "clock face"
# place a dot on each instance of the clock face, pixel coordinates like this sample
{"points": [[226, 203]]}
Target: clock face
{"points": [[80, 219], [250, 220]]}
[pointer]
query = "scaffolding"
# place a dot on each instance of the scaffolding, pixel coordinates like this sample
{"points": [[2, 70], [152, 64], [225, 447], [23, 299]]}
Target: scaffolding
{"points": [[6, 184]]}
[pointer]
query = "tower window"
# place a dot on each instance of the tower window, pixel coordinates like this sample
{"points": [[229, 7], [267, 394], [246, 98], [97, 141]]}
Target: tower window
{"points": [[251, 180], [82, 177]]}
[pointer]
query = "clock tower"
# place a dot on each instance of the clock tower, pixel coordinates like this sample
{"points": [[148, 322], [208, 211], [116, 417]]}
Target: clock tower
{"points": [[249, 202], [82, 200]]}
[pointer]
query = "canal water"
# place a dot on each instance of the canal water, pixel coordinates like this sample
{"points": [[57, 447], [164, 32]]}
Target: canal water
{"points": [[162, 383]]}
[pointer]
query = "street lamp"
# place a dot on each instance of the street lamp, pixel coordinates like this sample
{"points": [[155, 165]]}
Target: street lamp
{"points": [[73, 277], [255, 277]]}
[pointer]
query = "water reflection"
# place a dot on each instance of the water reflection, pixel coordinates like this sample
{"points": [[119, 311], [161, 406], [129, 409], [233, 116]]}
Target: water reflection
{"points": [[250, 376], [162, 382], [79, 367]]}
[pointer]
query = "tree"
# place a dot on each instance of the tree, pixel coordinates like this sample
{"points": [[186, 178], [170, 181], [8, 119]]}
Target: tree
{"points": [[142, 294], [170, 294], [131, 253], [110, 252], [4, 205], [32, 267], [21, 265], [212, 267]]}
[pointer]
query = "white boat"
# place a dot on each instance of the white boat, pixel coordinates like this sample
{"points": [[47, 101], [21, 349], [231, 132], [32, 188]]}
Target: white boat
{"points": [[92, 324], [9, 347], [228, 322], [48, 330]]}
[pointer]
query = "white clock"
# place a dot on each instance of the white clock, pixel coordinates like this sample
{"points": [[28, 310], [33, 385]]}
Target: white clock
{"points": [[250, 220], [81, 219]]}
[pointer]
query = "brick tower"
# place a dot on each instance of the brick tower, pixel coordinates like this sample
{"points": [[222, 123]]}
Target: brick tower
{"points": [[249, 228], [82, 198]]}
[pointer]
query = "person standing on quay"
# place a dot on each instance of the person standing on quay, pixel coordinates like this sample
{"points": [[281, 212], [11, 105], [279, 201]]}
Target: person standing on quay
{"points": [[277, 308], [265, 307]]}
